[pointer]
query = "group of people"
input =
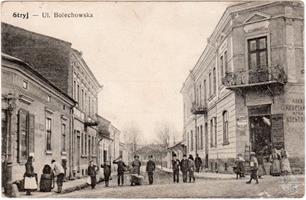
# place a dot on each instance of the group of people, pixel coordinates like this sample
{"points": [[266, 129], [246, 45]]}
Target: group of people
{"points": [[136, 178], [56, 171], [187, 167], [277, 162]]}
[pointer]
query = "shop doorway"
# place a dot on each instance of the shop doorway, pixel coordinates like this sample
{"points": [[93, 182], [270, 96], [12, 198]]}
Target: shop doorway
{"points": [[260, 132]]}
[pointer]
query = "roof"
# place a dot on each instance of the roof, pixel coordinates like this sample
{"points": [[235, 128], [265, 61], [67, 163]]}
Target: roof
{"points": [[28, 66], [176, 145]]}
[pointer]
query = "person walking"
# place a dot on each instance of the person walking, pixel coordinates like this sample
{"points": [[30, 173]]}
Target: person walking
{"points": [[58, 172], [184, 168], [107, 172], [176, 169], [120, 170], [30, 178], [253, 168], [92, 173], [261, 168], [191, 168], [136, 164], [198, 163], [150, 169]]}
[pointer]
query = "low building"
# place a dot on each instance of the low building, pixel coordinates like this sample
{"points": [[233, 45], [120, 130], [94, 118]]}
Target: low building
{"points": [[178, 149], [36, 120], [245, 92]]}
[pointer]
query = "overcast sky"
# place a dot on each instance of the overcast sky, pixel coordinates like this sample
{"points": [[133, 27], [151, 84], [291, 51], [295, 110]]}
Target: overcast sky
{"points": [[140, 52]]}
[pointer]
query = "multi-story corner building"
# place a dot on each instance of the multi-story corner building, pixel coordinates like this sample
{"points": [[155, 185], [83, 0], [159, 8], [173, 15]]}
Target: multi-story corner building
{"points": [[64, 67], [246, 91], [36, 120]]}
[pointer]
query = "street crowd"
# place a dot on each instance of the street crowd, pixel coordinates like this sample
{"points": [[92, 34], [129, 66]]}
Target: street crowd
{"points": [[279, 165]]}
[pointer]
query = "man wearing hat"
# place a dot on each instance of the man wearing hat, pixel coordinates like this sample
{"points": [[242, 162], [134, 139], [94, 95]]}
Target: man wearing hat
{"points": [[92, 172], [175, 168], [253, 168], [58, 172], [150, 169], [120, 169]]}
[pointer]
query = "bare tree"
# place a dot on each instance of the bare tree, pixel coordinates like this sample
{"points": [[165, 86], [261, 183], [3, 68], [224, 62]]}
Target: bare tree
{"points": [[163, 133], [132, 136]]}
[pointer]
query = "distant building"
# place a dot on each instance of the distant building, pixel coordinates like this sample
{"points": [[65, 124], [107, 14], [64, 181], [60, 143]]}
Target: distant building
{"points": [[246, 90], [36, 120]]}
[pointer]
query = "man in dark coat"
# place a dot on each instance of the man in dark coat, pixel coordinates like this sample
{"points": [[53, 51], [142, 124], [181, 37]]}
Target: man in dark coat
{"points": [[120, 169], [92, 172], [176, 169], [107, 172], [184, 168], [150, 169], [198, 163]]}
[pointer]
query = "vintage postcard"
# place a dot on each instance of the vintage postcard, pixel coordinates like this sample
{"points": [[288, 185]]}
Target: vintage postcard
{"points": [[152, 99]]}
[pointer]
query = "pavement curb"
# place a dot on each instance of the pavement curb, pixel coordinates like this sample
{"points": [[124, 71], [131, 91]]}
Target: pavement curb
{"points": [[205, 177]]}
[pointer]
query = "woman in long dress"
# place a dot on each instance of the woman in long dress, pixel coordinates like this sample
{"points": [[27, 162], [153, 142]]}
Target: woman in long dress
{"points": [[285, 164], [30, 178], [275, 160]]}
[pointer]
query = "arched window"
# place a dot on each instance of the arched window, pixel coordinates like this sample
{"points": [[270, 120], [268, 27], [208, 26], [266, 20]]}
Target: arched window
{"points": [[225, 127]]}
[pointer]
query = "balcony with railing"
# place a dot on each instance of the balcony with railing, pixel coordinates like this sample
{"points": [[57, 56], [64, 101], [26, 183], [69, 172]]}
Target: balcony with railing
{"points": [[198, 108], [251, 78]]}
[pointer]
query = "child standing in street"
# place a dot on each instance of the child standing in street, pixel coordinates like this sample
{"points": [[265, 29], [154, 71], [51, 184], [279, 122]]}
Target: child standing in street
{"points": [[254, 168]]}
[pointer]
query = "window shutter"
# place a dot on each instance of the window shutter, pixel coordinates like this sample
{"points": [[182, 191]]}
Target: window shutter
{"points": [[31, 137], [277, 131]]}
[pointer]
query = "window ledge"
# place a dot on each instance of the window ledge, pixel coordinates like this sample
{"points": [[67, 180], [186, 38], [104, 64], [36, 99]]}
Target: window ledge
{"points": [[49, 152], [225, 143]]}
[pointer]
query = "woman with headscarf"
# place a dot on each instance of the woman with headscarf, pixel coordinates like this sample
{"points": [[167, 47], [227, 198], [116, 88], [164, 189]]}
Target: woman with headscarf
{"points": [[285, 164], [275, 160], [30, 179]]}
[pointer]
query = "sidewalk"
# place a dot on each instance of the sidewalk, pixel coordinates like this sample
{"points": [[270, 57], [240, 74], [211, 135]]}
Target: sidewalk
{"points": [[206, 175], [68, 186]]}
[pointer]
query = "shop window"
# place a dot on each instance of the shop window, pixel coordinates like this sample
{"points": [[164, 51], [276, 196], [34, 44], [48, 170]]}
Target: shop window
{"points": [[201, 135], [211, 133], [26, 134]]}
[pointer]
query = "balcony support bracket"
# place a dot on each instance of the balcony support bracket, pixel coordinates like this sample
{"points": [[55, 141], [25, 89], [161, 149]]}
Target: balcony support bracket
{"points": [[270, 92]]}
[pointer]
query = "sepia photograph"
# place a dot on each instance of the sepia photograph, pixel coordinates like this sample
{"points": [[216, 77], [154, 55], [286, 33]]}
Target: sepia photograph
{"points": [[152, 99]]}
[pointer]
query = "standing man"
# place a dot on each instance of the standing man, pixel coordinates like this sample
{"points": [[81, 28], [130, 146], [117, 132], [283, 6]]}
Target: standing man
{"points": [[59, 173], [150, 169], [184, 168], [92, 173], [120, 170], [176, 169], [198, 163], [107, 172]]}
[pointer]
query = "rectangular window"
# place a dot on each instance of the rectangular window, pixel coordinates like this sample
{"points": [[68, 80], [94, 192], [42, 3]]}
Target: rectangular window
{"points": [[225, 127], [74, 90], [214, 80], [85, 141], [63, 137], [191, 140], [258, 53], [49, 134], [25, 85], [82, 143], [221, 65], [188, 143], [78, 95], [204, 92], [210, 86], [23, 135], [216, 135], [82, 100], [225, 63], [211, 133], [201, 135]]}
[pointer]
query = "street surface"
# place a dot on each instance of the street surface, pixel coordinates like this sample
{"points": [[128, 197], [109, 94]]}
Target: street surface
{"points": [[163, 187]]}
